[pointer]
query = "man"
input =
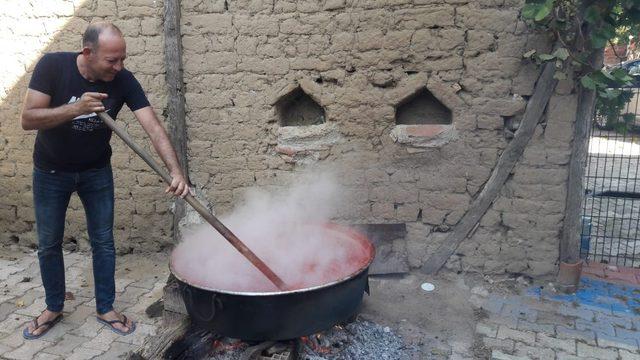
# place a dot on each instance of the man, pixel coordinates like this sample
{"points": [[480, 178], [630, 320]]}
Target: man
{"points": [[72, 154]]}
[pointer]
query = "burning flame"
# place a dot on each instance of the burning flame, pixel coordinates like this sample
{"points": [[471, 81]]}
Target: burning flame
{"points": [[313, 342]]}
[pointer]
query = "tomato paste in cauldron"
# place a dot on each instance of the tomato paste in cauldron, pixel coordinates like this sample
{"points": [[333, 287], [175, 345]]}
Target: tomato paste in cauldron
{"points": [[327, 281]]}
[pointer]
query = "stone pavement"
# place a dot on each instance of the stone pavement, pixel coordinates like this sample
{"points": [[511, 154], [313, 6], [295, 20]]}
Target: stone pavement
{"points": [[600, 321], [140, 279]]}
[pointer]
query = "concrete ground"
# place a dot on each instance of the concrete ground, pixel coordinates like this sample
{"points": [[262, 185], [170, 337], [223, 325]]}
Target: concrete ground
{"points": [[464, 317]]}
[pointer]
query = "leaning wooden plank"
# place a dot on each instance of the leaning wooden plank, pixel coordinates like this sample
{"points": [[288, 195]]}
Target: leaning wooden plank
{"points": [[534, 111], [155, 346]]}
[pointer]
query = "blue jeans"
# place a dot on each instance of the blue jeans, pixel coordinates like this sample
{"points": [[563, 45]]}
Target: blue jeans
{"points": [[51, 193]]}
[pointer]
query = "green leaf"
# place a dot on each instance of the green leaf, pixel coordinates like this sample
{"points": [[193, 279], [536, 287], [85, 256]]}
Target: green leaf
{"points": [[592, 15], [561, 53], [529, 54], [588, 82], [598, 41], [544, 10], [559, 75], [529, 11], [546, 57]]}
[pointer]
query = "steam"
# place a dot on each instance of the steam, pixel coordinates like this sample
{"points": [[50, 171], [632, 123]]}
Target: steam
{"points": [[285, 229]]}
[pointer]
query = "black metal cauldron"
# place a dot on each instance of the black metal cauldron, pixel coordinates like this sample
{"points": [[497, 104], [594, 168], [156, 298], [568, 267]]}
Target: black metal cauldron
{"points": [[279, 315]]}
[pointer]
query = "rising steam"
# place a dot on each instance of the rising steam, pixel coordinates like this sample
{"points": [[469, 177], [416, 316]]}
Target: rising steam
{"points": [[285, 229]]}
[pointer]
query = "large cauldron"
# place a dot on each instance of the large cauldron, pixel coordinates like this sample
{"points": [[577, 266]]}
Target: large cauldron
{"points": [[279, 315]]}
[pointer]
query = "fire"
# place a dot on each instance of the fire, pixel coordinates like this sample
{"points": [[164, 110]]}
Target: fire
{"points": [[223, 346], [313, 342]]}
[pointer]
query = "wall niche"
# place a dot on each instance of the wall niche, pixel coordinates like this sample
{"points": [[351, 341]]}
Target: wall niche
{"points": [[297, 108], [422, 108]]}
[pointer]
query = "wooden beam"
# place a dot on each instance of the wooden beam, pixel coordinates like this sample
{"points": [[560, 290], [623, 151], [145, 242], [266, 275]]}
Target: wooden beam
{"points": [[508, 159], [572, 224], [175, 111]]}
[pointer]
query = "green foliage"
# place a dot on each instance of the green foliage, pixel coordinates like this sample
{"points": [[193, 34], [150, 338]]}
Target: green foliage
{"points": [[582, 27]]}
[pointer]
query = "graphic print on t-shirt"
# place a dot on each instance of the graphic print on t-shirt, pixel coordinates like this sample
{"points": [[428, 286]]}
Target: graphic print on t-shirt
{"points": [[87, 122]]}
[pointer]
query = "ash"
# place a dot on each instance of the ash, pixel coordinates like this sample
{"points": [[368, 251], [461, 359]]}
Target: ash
{"points": [[361, 339]]}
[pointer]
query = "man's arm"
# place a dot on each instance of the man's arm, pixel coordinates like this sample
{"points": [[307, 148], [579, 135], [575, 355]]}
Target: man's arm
{"points": [[150, 123], [36, 113]]}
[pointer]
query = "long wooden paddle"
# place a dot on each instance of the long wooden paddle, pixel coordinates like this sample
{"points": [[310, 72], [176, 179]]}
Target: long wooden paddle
{"points": [[197, 205]]}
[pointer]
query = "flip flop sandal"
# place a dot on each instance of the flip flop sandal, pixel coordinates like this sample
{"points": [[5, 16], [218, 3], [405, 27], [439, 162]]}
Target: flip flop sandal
{"points": [[49, 325], [110, 324]]}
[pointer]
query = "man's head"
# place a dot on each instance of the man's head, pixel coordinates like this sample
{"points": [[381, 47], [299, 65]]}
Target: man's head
{"points": [[104, 50]]}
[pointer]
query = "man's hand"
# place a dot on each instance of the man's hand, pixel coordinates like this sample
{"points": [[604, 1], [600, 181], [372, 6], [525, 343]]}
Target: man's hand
{"points": [[179, 186], [90, 102]]}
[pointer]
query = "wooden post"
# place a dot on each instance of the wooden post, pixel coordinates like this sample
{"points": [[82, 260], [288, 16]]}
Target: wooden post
{"points": [[571, 227], [175, 111]]}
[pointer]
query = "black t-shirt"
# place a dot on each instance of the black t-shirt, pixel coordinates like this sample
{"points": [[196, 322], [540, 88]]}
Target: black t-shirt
{"points": [[82, 143]]}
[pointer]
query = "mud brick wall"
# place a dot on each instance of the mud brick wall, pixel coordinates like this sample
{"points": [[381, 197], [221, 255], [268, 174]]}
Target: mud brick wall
{"points": [[29, 28], [356, 65]]}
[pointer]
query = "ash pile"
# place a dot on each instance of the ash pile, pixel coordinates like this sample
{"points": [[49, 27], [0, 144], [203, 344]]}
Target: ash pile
{"points": [[360, 339]]}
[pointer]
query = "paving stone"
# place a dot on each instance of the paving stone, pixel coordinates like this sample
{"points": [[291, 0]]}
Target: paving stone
{"points": [[588, 336], [626, 355], [519, 312], [534, 352], [83, 353], [149, 283], [489, 330], [624, 322], [564, 356], [67, 344], [6, 309], [578, 312], [493, 304], [117, 351], [628, 334], [502, 344], [33, 310], [592, 351], [597, 327], [27, 350], [13, 340], [499, 355], [508, 333], [553, 318], [617, 342], [566, 345], [122, 284], [132, 294], [5, 348], [13, 322], [80, 315], [138, 336], [46, 356], [89, 328], [535, 327], [102, 341]]}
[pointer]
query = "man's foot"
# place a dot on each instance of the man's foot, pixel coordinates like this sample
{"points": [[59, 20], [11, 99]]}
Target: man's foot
{"points": [[119, 323], [40, 325]]}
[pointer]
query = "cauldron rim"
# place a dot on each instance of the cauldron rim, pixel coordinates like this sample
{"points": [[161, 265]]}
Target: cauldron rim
{"points": [[351, 233]]}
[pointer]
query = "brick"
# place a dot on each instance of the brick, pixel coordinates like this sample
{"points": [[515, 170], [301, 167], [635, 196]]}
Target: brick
{"points": [[502, 344], [508, 333], [499, 355], [486, 329], [587, 336], [534, 352], [606, 341], [592, 351], [27, 350], [82, 353], [566, 345], [626, 355]]}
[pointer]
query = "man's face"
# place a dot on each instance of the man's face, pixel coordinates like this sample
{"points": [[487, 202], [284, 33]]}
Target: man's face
{"points": [[108, 59]]}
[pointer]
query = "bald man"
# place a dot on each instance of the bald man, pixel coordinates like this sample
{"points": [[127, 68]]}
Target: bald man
{"points": [[72, 154]]}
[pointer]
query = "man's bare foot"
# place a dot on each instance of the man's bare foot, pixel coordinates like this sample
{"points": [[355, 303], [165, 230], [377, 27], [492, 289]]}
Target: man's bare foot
{"points": [[118, 321], [44, 318]]}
